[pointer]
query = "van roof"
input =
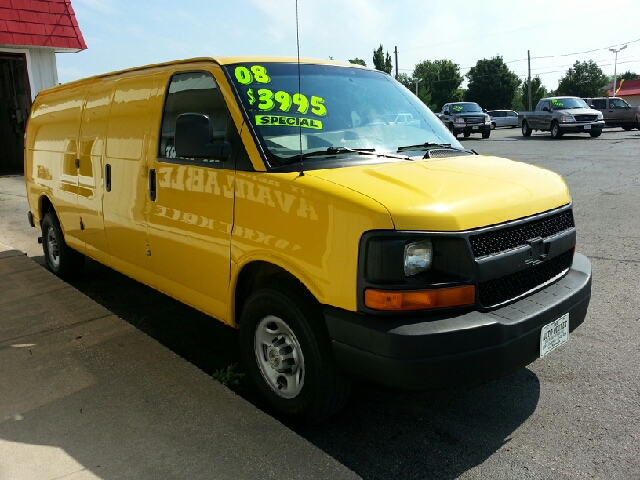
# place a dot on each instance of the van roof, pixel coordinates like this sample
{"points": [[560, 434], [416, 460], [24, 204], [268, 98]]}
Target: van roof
{"points": [[216, 60]]}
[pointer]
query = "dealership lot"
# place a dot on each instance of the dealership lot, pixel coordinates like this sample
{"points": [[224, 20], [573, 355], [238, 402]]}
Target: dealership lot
{"points": [[573, 414]]}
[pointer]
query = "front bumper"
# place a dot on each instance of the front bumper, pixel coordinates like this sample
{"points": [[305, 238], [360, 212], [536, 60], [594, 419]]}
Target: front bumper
{"points": [[429, 352], [585, 127], [472, 128]]}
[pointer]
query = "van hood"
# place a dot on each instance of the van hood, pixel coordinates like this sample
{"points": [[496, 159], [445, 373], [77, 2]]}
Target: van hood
{"points": [[454, 194]]}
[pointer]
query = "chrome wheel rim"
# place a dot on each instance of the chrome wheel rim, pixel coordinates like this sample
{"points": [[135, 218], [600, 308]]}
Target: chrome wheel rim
{"points": [[52, 248], [279, 357]]}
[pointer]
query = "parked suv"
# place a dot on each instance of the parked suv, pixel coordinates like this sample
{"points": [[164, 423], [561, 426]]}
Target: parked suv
{"points": [[503, 118], [616, 112], [465, 118]]}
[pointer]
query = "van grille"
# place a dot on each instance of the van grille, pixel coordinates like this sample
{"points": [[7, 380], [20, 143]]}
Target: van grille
{"points": [[497, 241], [585, 118], [503, 289]]}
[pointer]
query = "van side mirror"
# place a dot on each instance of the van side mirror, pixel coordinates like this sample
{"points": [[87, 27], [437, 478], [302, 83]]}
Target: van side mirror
{"points": [[193, 138]]}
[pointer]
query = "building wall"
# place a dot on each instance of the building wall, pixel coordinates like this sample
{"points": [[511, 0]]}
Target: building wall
{"points": [[41, 67]]}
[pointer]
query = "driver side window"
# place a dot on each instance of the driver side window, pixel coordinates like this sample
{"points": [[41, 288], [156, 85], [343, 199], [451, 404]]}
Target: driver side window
{"points": [[192, 92]]}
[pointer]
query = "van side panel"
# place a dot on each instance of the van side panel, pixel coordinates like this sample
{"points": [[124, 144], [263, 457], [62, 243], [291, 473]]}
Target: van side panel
{"points": [[91, 173], [127, 134], [51, 153]]}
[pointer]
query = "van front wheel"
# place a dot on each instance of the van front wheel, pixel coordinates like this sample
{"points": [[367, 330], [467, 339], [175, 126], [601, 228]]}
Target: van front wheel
{"points": [[287, 354], [62, 260]]}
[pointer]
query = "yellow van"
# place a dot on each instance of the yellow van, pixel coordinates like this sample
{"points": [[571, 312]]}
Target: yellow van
{"points": [[284, 198]]}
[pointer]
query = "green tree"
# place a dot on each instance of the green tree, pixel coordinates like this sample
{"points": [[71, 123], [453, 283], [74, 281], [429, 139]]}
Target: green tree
{"points": [[584, 79], [381, 61], [440, 81], [538, 91], [491, 84], [406, 80], [410, 83], [628, 75], [358, 61]]}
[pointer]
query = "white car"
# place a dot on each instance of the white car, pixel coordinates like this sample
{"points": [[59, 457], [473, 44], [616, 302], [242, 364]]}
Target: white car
{"points": [[503, 118]]}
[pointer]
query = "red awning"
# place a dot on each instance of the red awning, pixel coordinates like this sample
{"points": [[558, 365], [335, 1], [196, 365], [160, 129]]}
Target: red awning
{"points": [[626, 88], [40, 23], [628, 93]]}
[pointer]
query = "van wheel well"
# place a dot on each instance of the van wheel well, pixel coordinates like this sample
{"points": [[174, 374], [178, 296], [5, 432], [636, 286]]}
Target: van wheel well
{"points": [[256, 276], [45, 207]]}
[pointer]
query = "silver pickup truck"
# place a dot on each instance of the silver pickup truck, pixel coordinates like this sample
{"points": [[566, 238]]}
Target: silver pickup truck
{"points": [[560, 115]]}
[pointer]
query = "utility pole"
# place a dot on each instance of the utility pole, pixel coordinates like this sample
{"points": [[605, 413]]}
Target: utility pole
{"points": [[529, 63], [396, 52], [615, 65]]}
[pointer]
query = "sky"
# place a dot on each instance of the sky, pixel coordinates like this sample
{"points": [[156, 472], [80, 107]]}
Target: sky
{"points": [[122, 34]]}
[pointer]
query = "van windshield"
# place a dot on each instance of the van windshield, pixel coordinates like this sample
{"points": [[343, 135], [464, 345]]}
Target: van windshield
{"points": [[331, 107]]}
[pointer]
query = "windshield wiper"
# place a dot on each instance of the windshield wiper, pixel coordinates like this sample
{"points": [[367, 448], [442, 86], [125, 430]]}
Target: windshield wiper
{"points": [[426, 146], [331, 151]]}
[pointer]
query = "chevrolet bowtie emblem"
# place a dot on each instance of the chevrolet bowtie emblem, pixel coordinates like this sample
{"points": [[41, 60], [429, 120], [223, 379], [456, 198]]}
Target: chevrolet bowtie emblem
{"points": [[539, 251]]}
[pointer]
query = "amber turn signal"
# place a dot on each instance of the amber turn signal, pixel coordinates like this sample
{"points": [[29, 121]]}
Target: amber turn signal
{"points": [[419, 299]]}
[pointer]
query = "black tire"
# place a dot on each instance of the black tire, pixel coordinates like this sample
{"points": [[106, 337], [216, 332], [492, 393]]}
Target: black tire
{"points": [[595, 134], [62, 260], [526, 131], [486, 134], [466, 134], [627, 128], [555, 130], [287, 354], [452, 130], [493, 125]]}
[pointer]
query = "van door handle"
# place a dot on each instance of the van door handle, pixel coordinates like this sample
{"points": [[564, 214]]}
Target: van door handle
{"points": [[152, 184], [107, 177]]}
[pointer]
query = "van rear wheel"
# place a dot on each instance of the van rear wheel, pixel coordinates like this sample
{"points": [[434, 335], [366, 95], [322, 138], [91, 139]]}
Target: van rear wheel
{"points": [[62, 260], [526, 131], [287, 354]]}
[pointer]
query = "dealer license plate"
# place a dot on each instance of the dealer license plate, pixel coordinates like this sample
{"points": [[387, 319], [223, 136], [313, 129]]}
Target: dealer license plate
{"points": [[587, 127], [474, 128], [554, 335]]}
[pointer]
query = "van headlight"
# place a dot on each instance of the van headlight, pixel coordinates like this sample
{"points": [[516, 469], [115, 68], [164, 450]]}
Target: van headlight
{"points": [[417, 257]]}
